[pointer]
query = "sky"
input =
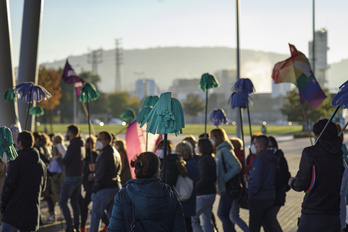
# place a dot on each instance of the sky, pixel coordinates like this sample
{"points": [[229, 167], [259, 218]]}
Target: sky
{"points": [[73, 27]]}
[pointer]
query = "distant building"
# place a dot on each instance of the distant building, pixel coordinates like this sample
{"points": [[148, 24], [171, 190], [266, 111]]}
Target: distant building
{"points": [[145, 87], [321, 49], [181, 88], [280, 89], [226, 78]]}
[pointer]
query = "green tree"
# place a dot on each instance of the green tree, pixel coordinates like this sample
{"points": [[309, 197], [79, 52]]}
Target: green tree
{"points": [[194, 105], [91, 78], [293, 109], [119, 101]]}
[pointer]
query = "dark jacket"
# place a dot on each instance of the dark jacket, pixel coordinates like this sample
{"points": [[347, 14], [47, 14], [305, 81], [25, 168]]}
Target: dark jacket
{"points": [[324, 197], [281, 179], [107, 169], [172, 170], [189, 206], [74, 156], [262, 176], [88, 185], [207, 176], [156, 207], [26, 179]]}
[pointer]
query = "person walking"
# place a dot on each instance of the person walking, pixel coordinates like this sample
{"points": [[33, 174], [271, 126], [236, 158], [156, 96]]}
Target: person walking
{"points": [[281, 182], [184, 149], [205, 188], [146, 203], [323, 163], [25, 181], [71, 187], [107, 181], [261, 186], [228, 210]]}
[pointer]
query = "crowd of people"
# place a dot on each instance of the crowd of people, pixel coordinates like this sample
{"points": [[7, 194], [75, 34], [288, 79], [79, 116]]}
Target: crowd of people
{"points": [[97, 170]]}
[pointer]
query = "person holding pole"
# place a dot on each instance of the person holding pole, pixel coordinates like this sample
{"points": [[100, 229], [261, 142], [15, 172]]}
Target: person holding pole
{"points": [[319, 176]]}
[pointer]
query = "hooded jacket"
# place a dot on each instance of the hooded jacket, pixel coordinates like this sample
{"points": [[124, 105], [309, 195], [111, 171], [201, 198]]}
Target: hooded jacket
{"points": [[74, 157], [324, 197], [262, 176], [233, 165], [156, 207], [25, 181]]}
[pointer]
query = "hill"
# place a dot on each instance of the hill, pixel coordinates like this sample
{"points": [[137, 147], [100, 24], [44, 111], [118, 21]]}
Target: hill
{"points": [[165, 64]]}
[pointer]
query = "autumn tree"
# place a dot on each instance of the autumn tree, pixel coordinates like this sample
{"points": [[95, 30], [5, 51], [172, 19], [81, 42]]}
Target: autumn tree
{"points": [[50, 79]]}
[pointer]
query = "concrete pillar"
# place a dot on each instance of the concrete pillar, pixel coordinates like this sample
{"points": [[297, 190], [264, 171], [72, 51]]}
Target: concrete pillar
{"points": [[28, 67], [7, 79]]}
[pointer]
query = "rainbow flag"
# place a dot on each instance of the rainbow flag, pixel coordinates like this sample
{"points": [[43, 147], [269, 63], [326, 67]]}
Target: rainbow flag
{"points": [[297, 70]]}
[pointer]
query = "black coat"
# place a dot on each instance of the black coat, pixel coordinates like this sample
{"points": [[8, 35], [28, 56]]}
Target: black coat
{"points": [[207, 175], [107, 169], [324, 197], [74, 156], [282, 178], [88, 185], [26, 179]]}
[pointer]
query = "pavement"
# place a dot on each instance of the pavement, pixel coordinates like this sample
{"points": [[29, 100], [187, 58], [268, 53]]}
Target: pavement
{"points": [[288, 214]]}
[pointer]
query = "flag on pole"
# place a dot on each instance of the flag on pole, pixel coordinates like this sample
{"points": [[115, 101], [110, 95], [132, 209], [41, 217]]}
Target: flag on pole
{"points": [[297, 70], [136, 138], [70, 77]]}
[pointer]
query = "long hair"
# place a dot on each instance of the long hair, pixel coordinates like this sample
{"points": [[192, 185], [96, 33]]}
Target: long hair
{"points": [[220, 136], [146, 165]]}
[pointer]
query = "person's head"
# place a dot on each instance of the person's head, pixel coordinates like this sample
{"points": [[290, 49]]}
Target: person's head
{"points": [[104, 139], [72, 132], [45, 139], [160, 146], [57, 139], [261, 142], [204, 135], [146, 165], [219, 136], [185, 150], [25, 140], [205, 147], [37, 136], [272, 142], [51, 135], [120, 145], [237, 143], [90, 142], [330, 133], [192, 140]]}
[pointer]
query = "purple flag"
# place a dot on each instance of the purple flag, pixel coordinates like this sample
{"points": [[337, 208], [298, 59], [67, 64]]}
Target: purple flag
{"points": [[69, 76]]}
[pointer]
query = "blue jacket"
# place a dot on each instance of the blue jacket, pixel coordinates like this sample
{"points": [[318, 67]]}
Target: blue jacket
{"points": [[233, 165], [189, 206], [156, 207], [262, 176]]}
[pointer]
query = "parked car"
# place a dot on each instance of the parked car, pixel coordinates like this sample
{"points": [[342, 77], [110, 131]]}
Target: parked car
{"points": [[117, 121], [97, 122]]}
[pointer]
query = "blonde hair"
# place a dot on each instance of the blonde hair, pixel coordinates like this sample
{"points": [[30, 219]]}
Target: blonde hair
{"points": [[185, 150], [220, 136]]}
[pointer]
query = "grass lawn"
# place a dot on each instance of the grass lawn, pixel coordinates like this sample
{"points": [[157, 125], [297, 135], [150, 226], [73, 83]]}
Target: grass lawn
{"points": [[194, 129]]}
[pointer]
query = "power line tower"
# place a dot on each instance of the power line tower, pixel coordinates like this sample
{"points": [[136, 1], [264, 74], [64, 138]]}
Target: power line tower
{"points": [[94, 58], [118, 60]]}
